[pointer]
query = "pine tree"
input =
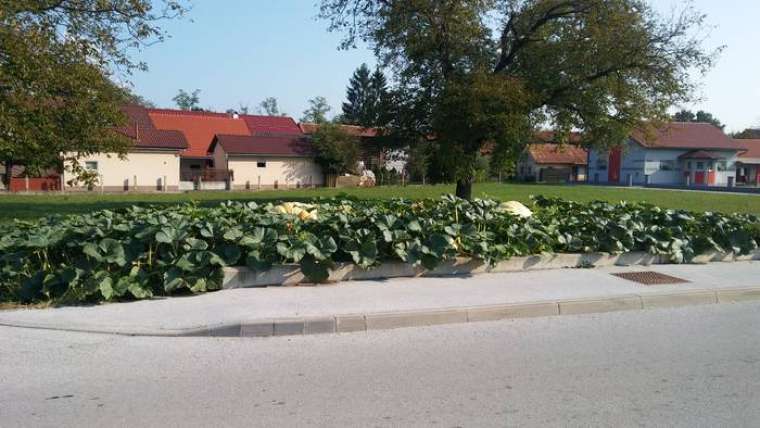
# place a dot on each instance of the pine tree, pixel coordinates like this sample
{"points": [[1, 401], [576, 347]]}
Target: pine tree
{"points": [[356, 109], [378, 101]]}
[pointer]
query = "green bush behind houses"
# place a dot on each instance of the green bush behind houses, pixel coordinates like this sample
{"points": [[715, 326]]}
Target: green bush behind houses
{"points": [[142, 252]]}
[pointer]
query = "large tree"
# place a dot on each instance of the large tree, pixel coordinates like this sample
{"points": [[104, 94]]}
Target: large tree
{"points": [[356, 108], [367, 99], [57, 62], [489, 71], [699, 117]]}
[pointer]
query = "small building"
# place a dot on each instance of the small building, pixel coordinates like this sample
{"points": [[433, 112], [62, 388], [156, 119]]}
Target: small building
{"points": [[274, 161], [748, 164], [152, 163], [548, 161], [677, 154]]}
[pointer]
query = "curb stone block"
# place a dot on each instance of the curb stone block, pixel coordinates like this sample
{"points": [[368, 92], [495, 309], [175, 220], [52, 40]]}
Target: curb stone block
{"points": [[288, 327], [638, 258], [612, 304], [528, 310], [257, 329], [224, 331], [278, 275], [414, 319], [738, 295], [319, 326], [679, 299], [350, 323]]}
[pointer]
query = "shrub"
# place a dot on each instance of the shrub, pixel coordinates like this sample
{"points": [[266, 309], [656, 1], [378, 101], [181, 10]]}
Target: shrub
{"points": [[141, 252]]}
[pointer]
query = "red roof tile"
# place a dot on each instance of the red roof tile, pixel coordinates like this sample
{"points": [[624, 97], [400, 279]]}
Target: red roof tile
{"points": [[352, 130], [271, 124], [546, 153], [198, 128], [752, 148], [679, 135], [140, 128], [280, 145]]}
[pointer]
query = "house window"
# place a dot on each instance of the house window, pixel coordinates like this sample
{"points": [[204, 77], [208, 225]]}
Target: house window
{"points": [[700, 166], [91, 165], [688, 165], [667, 165], [721, 165], [261, 164], [601, 165]]}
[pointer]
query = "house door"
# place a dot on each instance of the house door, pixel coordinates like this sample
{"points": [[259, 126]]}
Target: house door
{"points": [[699, 178], [711, 177], [614, 164]]}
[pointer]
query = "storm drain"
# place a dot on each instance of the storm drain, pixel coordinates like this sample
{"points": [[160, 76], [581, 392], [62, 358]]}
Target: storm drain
{"points": [[650, 278]]}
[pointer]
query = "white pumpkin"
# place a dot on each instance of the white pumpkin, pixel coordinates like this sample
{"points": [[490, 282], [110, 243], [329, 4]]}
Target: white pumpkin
{"points": [[515, 208]]}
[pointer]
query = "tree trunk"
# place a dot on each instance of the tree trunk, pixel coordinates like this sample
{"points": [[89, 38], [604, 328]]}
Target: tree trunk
{"points": [[464, 188], [8, 173]]}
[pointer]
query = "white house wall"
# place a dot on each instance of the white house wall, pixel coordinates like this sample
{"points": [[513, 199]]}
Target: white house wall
{"points": [[143, 171], [280, 172], [639, 162]]}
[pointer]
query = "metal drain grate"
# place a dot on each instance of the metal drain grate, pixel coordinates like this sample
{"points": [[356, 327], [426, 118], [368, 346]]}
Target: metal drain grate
{"points": [[650, 278]]}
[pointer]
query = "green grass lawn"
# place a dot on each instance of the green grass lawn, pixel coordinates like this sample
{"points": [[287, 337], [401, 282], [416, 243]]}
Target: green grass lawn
{"points": [[35, 206]]}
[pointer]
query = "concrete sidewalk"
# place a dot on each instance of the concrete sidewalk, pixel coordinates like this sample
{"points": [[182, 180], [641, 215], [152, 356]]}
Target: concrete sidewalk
{"points": [[362, 305]]}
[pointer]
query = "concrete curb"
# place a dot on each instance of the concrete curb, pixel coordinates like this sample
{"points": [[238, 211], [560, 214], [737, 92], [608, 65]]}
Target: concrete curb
{"points": [[291, 275], [348, 323]]}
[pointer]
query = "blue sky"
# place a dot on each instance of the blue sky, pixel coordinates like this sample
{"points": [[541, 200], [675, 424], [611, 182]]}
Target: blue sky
{"points": [[242, 51]]}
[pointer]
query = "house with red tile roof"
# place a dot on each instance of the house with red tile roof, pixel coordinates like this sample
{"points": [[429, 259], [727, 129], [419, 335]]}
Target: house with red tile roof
{"points": [[267, 160], [547, 160], [748, 165], [186, 150], [675, 154], [152, 164]]}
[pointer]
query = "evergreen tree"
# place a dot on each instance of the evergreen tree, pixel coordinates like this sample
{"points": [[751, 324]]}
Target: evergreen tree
{"points": [[357, 109], [379, 101]]}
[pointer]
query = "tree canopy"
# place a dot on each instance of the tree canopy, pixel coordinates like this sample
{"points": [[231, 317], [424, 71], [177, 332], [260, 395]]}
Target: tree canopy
{"points": [[748, 134], [317, 111], [337, 151], [270, 107], [188, 100], [699, 117], [367, 99], [489, 71], [57, 62]]}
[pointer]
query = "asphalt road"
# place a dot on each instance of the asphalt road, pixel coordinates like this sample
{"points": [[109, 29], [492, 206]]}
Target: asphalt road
{"points": [[697, 366]]}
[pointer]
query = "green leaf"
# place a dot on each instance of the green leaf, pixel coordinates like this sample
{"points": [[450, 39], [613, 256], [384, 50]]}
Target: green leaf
{"points": [[106, 288], [233, 234], [314, 270]]}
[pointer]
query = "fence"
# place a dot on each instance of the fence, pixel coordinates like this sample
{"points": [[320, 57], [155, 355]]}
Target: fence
{"points": [[26, 184], [208, 174]]}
